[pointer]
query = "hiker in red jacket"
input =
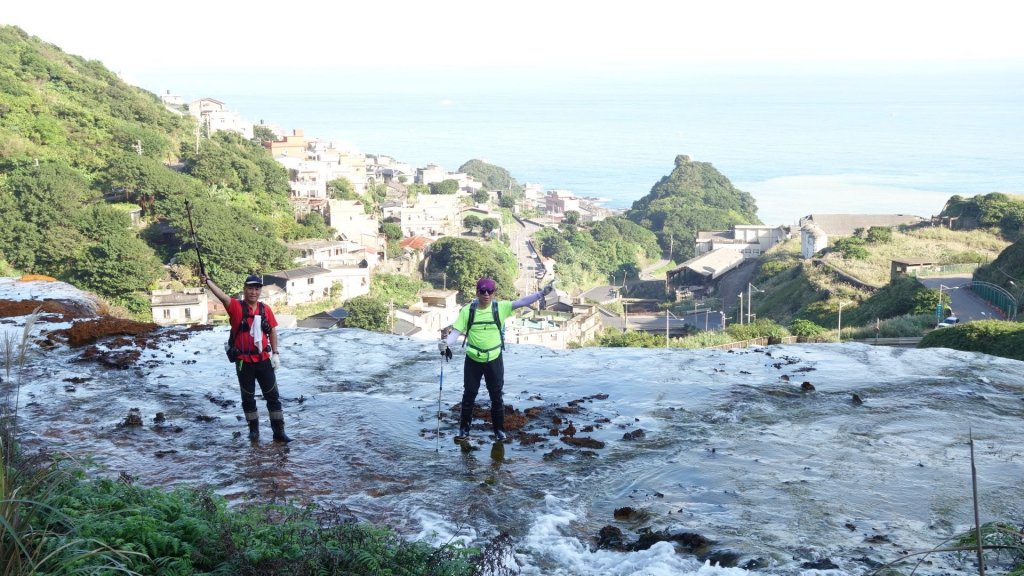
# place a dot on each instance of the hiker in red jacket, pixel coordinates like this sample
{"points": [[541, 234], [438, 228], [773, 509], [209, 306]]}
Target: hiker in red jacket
{"points": [[253, 349]]}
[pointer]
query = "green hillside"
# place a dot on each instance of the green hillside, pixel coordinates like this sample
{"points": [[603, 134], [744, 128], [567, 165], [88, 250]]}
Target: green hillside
{"points": [[80, 150], [694, 196]]}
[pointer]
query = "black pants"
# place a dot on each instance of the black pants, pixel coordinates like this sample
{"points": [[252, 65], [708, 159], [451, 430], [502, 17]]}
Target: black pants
{"points": [[493, 373], [249, 373]]}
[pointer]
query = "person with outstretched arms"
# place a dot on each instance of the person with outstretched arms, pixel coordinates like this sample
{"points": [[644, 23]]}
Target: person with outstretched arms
{"points": [[483, 323]]}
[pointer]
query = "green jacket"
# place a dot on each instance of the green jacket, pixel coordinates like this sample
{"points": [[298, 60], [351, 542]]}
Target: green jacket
{"points": [[483, 341]]}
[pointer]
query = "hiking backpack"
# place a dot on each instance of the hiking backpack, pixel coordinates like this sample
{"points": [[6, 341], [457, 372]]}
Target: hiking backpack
{"points": [[497, 322]]}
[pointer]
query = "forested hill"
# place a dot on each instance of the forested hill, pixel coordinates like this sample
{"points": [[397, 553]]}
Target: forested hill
{"points": [[695, 196], [80, 150], [59, 106]]}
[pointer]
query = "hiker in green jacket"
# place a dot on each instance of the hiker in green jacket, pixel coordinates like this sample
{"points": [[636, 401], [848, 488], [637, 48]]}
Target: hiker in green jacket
{"points": [[483, 322]]}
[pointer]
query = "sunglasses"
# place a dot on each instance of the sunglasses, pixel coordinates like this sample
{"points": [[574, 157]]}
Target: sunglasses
{"points": [[484, 291]]}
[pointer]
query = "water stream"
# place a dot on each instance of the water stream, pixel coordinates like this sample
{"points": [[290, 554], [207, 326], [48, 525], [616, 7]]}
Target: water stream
{"points": [[732, 447]]}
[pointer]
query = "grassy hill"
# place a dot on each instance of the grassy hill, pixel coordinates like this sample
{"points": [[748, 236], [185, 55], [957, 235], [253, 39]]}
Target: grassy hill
{"points": [[813, 290], [77, 144]]}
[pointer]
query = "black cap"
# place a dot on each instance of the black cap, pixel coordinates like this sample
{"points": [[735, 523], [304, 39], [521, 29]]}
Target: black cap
{"points": [[254, 280]]}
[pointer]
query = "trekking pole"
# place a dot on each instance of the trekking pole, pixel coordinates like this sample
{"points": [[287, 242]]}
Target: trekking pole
{"points": [[195, 241], [437, 433]]}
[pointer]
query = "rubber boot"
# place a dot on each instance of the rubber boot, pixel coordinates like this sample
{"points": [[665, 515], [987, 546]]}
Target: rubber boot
{"points": [[253, 419], [278, 427], [498, 422]]}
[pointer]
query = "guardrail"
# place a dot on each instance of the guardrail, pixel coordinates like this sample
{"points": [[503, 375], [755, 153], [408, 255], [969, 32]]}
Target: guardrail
{"points": [[903, 342]]}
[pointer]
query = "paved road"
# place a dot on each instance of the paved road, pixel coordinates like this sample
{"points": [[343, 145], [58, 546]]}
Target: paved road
{"points": [[965, 304], [646, 273]]}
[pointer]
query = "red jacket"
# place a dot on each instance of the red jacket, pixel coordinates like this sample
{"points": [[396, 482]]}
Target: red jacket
{"points": [[243, 338]]}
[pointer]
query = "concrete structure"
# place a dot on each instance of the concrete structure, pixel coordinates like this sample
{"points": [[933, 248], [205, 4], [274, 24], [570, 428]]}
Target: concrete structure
{"points": [[558, 202], [325, 320], [306, 178], [190, 306], [912, 266], [386, 169], [750, 240], [432, 215], [349, 218], [302, 285], [817, 229], [214, 116], [294, 146], [556, 330], [342, 162], [435, 310], [431, 174], [701, 270]]}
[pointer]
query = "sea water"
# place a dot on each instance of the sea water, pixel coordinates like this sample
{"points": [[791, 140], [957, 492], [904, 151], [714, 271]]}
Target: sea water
{"points": [[842, 140]]}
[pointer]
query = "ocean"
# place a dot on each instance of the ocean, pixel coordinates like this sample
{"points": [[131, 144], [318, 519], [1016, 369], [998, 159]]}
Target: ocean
{"points": [[853, 140]]}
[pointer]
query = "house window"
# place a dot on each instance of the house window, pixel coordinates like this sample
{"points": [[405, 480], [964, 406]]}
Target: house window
{"points": [[167, 313], [188, 313], [309, 281]]}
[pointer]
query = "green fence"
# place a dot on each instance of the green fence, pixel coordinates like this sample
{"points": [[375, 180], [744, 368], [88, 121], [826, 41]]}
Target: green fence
{"points": [[945, 270], [996, 296]]}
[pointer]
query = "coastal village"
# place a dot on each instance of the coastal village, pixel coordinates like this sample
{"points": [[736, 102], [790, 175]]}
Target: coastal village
{"points": [[342, 267]]}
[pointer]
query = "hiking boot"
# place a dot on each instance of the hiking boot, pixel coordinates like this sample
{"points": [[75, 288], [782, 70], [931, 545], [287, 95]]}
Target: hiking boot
{"points": [[500, 435], [254, 430], [278, 427], [463, 434]]}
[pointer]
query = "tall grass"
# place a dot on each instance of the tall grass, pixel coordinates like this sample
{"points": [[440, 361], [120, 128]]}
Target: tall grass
{"points": [[35, 538]]}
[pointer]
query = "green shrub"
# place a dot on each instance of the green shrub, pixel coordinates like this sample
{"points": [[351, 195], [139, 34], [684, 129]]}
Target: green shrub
{"points": [[994, 337]]}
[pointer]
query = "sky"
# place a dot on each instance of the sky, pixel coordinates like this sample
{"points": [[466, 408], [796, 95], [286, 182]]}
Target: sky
{"points": [[227, 34]]}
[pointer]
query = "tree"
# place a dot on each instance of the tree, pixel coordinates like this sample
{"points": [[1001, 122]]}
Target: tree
{"points": [[444, 187], [263, 133], [471, 221], [572, 218], [234, 243], [465, 261], [368, 313], [481, 196], [341, 189], [488, 225], [119, 267], [879, 234], [805, 328], [392, 231], [397, 288], [851, 247]]}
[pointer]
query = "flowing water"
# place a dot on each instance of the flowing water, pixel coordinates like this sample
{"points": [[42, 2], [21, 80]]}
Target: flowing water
{"points": [[732, 447]]}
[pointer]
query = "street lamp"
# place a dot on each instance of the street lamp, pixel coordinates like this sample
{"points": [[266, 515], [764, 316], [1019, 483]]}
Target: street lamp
{"points": [[740, 314], [750, 298], [940, 308], [839, 325]]}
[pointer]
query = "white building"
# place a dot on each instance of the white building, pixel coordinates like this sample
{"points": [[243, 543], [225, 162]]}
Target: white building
{"points": [[212, 114], [190, 306], [432, 215]]}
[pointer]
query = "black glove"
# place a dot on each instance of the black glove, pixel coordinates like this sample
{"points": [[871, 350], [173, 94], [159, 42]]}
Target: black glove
{"points": [[445, 351]]}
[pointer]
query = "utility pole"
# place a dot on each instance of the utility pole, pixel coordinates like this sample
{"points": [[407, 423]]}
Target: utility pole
{"points": [[666, 327]]}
